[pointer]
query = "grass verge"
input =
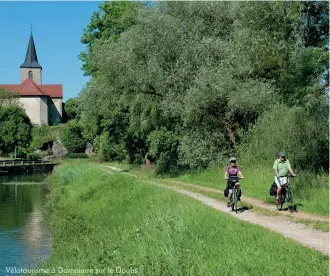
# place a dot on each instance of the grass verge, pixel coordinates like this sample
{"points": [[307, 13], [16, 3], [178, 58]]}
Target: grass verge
{"points": [[319, 225], [311, 191], [105, 220]]}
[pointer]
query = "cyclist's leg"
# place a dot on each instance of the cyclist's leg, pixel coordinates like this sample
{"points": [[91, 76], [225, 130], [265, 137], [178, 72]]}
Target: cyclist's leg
{"points": [[229, 197], [279, 189]]}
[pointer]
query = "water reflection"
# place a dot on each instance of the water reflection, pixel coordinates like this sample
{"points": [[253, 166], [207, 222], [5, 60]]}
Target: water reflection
{"points": [[24, 237]]}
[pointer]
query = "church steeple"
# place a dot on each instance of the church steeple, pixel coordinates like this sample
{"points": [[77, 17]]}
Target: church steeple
{"points": [[31, 59], [31, 69]]}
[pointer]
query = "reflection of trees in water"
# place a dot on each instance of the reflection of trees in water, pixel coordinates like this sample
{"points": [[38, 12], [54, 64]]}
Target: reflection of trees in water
{"points": [[23, 178], [17, 200], [33, 231], [21, 208], [36, 236]]}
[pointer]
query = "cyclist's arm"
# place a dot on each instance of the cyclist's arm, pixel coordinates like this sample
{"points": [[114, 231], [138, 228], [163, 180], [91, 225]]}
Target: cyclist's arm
{"points": [[226, 174], [291, 171], [240, 174], [275, 168]]}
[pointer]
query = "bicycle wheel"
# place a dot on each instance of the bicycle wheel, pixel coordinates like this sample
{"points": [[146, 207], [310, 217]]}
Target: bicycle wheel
{"points": [[290, 201], [281, 202]]}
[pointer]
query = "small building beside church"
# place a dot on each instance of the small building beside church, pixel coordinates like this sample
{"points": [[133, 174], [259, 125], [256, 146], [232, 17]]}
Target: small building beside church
{"points": [[42, 102]]}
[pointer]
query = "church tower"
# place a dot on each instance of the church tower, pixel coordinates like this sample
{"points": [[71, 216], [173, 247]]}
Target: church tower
{"points": [[31, 69]]}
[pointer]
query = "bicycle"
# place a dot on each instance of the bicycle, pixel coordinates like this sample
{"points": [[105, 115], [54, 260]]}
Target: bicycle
{"points": [[287, 196], [234, 196]]}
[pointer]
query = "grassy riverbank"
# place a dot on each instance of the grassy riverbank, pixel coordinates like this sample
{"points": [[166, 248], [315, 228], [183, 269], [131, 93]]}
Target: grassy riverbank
{"points": [[101, 219]]}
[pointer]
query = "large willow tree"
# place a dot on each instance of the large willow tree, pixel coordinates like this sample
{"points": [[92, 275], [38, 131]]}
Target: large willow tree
{"points": [[193, 77]]}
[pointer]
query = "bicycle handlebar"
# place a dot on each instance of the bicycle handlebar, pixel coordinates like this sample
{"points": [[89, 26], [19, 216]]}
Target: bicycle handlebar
{"points": [[290, 175], [236, 177]]}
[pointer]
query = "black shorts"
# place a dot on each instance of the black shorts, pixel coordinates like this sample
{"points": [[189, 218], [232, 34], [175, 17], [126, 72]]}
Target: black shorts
{"points": [[231, 183]]}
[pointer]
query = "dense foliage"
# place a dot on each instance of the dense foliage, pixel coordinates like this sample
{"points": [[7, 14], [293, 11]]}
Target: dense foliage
{"points": [[72, 138], [44, 136], [189, 83], [71, 109], [15, 129], [7, 98]]}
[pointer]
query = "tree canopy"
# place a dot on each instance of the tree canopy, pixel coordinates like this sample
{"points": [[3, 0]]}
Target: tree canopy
{"points": [[15, 128], [191, 82]]}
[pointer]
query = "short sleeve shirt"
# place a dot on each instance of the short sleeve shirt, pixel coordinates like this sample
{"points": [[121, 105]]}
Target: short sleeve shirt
{"points": [[233, 171], [282, 166]]}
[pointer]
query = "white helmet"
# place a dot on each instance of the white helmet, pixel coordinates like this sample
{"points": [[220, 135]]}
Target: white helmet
{"points": [[232, 160]]}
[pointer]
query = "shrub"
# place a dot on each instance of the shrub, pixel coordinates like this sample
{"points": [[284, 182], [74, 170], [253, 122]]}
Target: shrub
{"points": [[136, 149], [72, 137], [200, 149], [96, 144], [109, 150], [33, 156], [164, 149], [77, 156], [302, 136], [42, 135]]}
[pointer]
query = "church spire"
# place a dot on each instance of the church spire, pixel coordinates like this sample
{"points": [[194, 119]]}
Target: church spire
{"points": [[31, 59]]}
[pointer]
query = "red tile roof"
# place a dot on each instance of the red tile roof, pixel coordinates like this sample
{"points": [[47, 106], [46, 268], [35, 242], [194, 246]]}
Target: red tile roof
{"points": [[29, 88]]}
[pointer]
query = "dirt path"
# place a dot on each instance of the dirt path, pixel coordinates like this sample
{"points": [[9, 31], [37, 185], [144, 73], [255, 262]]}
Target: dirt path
{"points": [[299, 232], [256, 202]]}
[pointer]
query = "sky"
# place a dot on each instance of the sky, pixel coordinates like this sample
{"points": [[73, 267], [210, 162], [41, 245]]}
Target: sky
{"points": [[57, 29]]}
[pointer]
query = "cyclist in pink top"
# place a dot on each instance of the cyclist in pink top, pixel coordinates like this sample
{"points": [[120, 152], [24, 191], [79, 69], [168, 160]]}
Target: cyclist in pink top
{"points": [[233, 170]]}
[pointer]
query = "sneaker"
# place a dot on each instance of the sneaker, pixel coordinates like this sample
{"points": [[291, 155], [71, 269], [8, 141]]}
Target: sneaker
{"points": [[228, 204]]}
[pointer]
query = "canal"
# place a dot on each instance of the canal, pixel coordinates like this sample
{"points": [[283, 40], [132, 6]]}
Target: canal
{"points": [[25, 240]]}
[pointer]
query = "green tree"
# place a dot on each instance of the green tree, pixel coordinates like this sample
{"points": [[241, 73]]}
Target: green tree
{"points": [[71, 108], [205, 71], [164, 148], [110, 150], [15, 128], [316, 23], [72, 138], [108, 23], [299, 131]]}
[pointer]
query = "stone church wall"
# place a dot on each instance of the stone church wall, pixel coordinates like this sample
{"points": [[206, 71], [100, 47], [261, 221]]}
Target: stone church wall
{"points": [[55, 110], [36, 108]]}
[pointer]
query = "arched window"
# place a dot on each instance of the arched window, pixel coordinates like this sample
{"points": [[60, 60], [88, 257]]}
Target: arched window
{"points": [[30, 75]]}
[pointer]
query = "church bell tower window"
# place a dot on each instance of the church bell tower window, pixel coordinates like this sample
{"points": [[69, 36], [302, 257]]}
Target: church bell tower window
{"points": [[30, 75]]}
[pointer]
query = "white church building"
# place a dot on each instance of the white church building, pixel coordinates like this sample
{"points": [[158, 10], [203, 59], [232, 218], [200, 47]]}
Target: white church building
{"points": [[42, 102]]}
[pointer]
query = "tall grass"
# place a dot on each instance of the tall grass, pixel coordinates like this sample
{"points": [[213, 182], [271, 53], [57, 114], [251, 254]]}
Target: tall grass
{"points": [[101, 219], [311, 190]]}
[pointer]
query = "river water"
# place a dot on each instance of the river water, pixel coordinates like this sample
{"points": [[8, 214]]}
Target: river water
{"points": [[25, 240]]}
